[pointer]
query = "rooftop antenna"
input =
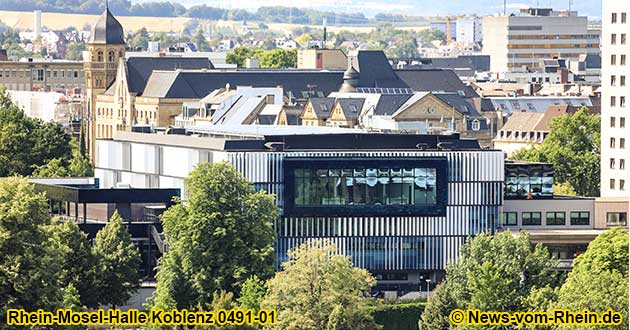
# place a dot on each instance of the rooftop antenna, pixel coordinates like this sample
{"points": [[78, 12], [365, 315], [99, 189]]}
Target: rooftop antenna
{"points": [[570, 3], [106, 4], [504, 7]]}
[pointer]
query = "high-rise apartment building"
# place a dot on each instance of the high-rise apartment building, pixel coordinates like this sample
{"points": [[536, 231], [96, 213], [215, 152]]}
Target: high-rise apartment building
{"points": [[520, 42], [615, 128]]}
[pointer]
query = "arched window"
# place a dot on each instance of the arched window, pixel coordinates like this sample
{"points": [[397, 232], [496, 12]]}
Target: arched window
{"points": [[476, 125], [110, 56], [99, 56]]}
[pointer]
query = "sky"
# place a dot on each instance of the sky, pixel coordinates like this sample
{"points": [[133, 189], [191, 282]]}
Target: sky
{"points": [[590, 8]]}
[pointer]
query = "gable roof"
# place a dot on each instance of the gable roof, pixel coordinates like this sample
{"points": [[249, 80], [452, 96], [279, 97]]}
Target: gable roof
{"points": [[389, 103], [523, 121], [139, 69], [459, 103], [197, 83], [351, 107], [375, 70], [433, 80], [322, 106]]}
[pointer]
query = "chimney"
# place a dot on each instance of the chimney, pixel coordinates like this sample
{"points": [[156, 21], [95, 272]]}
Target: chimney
{"points": [[37, 23]]}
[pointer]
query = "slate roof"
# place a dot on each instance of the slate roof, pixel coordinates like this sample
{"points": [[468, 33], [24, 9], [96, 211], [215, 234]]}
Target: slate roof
{"points": [[389, 103], [375, 70], [351, 107], [107, 30], [292, 114], [461, 104], [139, 69], [322, 106], [432, 80], [198, 83]]}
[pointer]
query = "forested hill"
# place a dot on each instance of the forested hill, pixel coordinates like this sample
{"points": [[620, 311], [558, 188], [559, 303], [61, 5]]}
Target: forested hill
{"points": [[173, 9]]}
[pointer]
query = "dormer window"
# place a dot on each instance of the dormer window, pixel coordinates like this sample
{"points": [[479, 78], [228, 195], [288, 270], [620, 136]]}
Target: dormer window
{"points": [[353, 108], [476, 125], [110, 56], [323, 107]]}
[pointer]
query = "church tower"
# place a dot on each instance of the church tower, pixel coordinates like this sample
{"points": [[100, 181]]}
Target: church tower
{"points": [[105, 48]]}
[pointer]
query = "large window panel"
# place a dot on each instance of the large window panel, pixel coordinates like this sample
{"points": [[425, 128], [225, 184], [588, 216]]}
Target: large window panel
{"points": [[348, 186]]}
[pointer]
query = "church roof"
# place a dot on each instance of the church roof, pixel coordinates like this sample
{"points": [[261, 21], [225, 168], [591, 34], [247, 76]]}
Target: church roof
{"points": [[107, 30]]}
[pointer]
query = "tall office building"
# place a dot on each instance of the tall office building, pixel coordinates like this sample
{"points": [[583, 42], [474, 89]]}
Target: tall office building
{"points": [[469, 30], [615, 175], [517, 42]]}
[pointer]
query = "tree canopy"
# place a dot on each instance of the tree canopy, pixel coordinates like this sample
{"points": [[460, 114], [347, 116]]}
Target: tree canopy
{"points": [[30, 145], [573, 147], [118, 260], [217, 240], [494, 273], [274, 58], [319, 289], [599, 278], [29, 261]]}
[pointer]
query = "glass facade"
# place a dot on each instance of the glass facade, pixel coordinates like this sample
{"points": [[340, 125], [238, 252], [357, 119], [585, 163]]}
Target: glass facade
{"points": [[528, 181], [322, 187], [355, 186]]}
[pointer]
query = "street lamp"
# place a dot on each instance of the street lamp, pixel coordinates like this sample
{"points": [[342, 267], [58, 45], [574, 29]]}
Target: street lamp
{"points": [[428, 282]]}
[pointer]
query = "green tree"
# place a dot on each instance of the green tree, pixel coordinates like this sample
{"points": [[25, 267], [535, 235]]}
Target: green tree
{"points": [[237, 240], [494, 273], [26, 143], [437, 310], [118, 260], [278, 58], [29, 262], [53, 169], [573, 147], [201, 42], [252, 293], [239, 55], [320, 289], [599, 278], [75, 51], [79, 262], [79, 164]]}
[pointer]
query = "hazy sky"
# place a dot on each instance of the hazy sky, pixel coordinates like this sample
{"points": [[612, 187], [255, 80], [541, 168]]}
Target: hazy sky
{"points": [[416, 7]]}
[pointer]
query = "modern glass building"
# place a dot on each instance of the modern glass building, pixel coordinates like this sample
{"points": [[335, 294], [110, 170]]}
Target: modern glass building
{"points": [[399, 205]]}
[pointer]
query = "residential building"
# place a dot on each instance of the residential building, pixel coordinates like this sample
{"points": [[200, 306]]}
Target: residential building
{"points": [[43, 75], [399, 205], [613, 206], [321, 59], [518, 42], [529, 129], [511, 104]]}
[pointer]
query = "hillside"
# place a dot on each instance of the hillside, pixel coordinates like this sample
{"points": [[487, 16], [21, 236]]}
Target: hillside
{"points": [[59, 21]]}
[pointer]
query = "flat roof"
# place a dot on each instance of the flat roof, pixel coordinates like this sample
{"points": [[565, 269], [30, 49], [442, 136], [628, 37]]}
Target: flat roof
{"points": [[91, 195], [271, 130], [298, 138]]}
